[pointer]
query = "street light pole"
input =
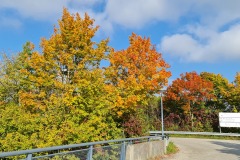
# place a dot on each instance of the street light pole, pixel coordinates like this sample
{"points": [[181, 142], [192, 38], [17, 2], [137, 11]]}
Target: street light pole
{"points": [[161, 95]]}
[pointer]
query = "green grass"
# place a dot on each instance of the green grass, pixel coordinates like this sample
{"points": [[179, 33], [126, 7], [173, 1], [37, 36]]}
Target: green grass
{"points": [[171, 148], [205, 137]]}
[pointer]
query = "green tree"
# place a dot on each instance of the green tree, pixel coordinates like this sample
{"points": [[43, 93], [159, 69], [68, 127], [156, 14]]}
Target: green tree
{"points": [[235, 95], [12, 80], [221, 89]]}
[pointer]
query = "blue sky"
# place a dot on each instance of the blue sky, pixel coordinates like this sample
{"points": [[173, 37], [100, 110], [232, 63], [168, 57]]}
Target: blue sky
{"points": [[192, 35]]}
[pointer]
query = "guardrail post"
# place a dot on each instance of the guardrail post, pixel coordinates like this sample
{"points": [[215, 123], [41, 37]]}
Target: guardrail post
{"points": [[123, 151], [29, 157], [90, 153], [131, 141]]}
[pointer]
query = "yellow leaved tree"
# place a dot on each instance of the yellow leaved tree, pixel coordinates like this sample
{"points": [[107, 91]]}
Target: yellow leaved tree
{"points": [[65, 98]]}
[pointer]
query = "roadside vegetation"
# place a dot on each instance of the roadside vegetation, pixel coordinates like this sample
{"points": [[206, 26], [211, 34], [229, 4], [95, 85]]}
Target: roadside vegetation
{"points": [[171, 148]]}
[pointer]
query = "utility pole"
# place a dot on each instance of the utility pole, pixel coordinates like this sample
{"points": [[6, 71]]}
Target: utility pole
{"points": [[161, 95]]}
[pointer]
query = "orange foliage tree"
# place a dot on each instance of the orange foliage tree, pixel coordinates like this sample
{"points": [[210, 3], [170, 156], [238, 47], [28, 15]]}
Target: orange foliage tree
{"points": [[188, 94], [136, 74]]}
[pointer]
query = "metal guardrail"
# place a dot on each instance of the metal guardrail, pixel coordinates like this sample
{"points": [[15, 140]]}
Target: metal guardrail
{"points": [[73, 148], [155, 133]]}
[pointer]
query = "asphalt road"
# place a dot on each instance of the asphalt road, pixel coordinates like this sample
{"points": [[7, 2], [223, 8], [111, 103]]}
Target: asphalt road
{"points": [[205, 149]]}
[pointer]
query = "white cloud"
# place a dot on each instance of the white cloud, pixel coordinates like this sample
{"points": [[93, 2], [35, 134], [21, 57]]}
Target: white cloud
{"points": [[105, 25], [216, 13], [131, 13], [217, 46], [38, 10], [182, 46], [226, 44], [84, 3], [46, 10], [136, 13], [215, 36]]}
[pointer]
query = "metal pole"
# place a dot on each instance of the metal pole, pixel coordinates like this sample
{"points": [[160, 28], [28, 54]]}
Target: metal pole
{"points": [[162, 117], [29, 157], [123, 151], [90, 153], [219, 126]]}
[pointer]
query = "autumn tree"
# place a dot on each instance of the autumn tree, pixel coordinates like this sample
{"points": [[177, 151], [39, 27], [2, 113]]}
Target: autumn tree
{"points": [[9, 82], [187, 94], [135, 75], [235, 94], [137, 72], [221, 89], [61, 95], [12, 80], [65, 99]]}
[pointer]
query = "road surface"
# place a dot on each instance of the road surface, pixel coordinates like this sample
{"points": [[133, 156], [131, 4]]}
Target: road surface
{"points": [[205, 149]]}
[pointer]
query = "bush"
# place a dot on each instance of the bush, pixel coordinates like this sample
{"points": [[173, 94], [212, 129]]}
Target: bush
{"points": [[171, 148]]}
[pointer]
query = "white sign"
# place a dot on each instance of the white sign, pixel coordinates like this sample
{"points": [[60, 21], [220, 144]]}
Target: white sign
{"points": [[229, 119]]}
